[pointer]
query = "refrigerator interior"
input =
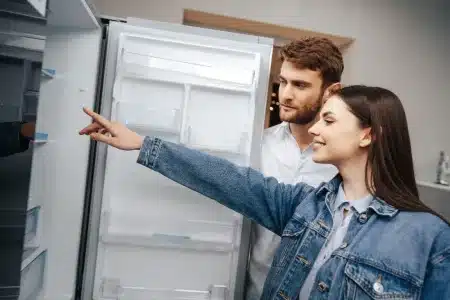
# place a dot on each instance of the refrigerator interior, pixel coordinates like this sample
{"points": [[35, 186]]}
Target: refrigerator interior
{"points": [[157, 239], [21, 75]]}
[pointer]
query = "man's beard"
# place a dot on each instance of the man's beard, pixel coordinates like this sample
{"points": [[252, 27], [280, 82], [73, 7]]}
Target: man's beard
{"points": [[306, 116], [308, 113]]}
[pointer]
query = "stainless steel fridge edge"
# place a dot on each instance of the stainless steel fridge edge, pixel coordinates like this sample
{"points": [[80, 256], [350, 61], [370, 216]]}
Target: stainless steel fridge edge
{"points": [[97, 173]]}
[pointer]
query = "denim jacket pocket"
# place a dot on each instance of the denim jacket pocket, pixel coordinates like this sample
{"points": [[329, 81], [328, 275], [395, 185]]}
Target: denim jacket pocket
{"points": [[290, 241], [294, 228], [365, 282]]}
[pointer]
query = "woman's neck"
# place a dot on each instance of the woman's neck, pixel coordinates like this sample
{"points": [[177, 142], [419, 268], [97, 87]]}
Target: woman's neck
{"points": [[354, 180]]}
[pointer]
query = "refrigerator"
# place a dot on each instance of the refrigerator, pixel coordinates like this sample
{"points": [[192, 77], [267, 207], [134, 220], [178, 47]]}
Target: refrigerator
{"points": [[99, 225]]}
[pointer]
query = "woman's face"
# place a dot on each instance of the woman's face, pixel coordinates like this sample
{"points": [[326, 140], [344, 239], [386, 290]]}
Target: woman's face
{"points": [[338, 136]]}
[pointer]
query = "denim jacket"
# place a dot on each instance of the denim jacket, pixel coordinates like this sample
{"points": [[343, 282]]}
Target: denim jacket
{"points": [[386, 254]]}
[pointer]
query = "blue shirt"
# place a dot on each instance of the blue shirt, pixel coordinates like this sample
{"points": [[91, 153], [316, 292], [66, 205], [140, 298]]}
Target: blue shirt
{"points": [[386, 253], [341, 221]]}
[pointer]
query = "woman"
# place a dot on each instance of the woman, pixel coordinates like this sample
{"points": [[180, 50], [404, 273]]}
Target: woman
{"points": [[363, 235]]}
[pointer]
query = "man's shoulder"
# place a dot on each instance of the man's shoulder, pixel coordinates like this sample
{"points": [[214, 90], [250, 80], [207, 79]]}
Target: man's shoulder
{"points": [[273, 131]]}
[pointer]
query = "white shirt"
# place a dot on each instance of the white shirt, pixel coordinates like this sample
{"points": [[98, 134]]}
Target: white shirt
{"points": [[281, 158], [336, 239]]}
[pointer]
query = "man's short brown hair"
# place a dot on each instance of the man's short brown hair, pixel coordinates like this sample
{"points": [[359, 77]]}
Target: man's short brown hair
{"points": [[317, 54]]}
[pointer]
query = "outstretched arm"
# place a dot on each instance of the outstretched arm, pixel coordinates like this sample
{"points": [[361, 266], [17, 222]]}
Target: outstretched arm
{"points": [[241, 189], [436, 284], [244, 190]]}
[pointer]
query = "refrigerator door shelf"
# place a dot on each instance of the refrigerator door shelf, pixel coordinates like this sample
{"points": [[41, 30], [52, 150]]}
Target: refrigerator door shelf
{"points": [[147, 231], [32, 276], [31, 227], [146, 118]]}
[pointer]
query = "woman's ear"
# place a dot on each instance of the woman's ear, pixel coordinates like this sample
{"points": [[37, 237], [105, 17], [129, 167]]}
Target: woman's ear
{"points": [[366, 137]]}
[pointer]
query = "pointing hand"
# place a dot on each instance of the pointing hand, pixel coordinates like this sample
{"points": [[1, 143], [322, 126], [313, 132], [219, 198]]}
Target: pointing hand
{"points": [[112, 133]]}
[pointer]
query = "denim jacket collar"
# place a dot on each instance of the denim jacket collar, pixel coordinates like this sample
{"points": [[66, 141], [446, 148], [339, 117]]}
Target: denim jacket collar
{"points": [[379, 206]]}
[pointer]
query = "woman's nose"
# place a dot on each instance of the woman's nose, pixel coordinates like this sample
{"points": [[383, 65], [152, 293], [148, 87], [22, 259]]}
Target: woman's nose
{"points": [[313, 130]]}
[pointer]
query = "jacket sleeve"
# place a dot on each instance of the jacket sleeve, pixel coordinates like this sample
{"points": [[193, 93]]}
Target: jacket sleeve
{"points": [[244, 190], [11, 141], [437, 280]]}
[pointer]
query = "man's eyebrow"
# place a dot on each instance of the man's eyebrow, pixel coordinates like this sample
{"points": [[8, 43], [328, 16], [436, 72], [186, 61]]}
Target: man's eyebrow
{"points": [[296, 82]]}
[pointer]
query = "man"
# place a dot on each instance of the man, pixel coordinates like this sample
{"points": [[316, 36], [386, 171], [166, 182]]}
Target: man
{"points": [[15, 137], [311, 69]]}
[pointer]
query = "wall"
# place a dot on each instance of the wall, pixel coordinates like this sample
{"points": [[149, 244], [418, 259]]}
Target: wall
{"points": [[401, 45]]}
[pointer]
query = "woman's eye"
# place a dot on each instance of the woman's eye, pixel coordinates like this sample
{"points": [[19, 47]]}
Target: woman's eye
{"points": [[328, 122]]}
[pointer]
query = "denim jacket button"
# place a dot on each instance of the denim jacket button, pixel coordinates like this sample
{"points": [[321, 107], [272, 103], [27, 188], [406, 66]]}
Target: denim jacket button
{"points": [[323, 287], [283, 295], [344, 245], [362, 218], [378, 287]]}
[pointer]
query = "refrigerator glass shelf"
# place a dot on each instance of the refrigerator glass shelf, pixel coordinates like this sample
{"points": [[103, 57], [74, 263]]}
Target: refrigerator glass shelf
{"points": [[145, 231], [133, 293], [112, 288]]}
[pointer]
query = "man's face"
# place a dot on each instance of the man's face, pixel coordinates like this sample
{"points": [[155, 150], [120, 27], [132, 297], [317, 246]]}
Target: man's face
{"points": [[300, 94]]}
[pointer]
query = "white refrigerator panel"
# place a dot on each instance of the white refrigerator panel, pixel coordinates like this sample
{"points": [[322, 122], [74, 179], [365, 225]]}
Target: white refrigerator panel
{"points": [[156, 238]]}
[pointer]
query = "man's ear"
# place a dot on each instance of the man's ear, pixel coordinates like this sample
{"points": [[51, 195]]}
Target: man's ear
{"points": [[331, 89]]}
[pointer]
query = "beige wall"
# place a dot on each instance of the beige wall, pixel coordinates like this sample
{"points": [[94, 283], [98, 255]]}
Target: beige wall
{"points": [[402, 45]]}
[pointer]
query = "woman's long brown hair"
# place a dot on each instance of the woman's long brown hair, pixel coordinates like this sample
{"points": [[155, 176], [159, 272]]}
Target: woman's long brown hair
{"points": [[391, 176]]}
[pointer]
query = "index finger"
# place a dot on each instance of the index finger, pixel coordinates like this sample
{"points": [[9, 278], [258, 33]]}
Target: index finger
{"points": [[98, 118]]}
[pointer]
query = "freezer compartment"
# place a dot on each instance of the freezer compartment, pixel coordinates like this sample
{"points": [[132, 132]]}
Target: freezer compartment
{"points": [[32, 276], [147, 118], [146, 231]]}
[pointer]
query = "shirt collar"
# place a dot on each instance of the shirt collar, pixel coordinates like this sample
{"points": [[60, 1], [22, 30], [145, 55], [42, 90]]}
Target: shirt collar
{"points": [[288, 134], [360, 205], [378, 205]]}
